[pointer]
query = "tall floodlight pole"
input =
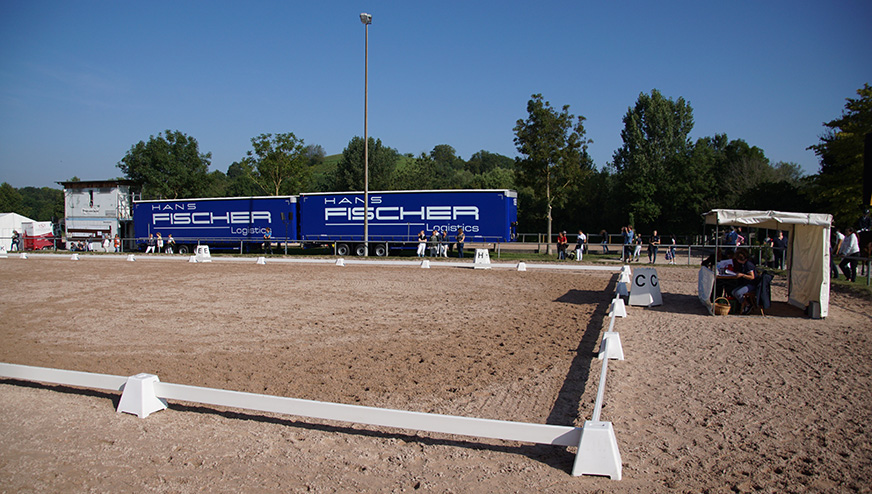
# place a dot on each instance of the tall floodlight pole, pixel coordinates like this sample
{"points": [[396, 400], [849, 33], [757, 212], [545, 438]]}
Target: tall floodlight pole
{"points": [[366, 19]]}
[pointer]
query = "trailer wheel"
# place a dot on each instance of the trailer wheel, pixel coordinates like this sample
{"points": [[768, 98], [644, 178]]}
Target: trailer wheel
{"points": [[183, 249], [381, 250], [360, 250], [342, 249]]}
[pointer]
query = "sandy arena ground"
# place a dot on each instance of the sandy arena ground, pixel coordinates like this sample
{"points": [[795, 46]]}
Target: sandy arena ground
{"points": [[701, 403]]}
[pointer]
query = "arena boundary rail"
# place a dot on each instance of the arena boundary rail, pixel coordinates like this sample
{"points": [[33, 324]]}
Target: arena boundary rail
{"points": [[144, 394]]}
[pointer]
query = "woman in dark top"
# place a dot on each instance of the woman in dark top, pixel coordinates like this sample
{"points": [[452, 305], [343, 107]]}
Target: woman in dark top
{"points": [[746, 275]]}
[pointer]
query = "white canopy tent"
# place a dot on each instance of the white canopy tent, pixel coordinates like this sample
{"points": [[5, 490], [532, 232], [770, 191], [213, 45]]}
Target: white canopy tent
{"points": [[10, 222], [808, 251]]}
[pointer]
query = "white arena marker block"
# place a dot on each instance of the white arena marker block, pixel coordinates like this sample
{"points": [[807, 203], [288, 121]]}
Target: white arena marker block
{"points": [[192, 259], [522, 266], [74, 257], [131, 257], [618, 307], [138, 397], [203, 254], [22, 256], [340, 262], [598, 451], [425, 264], [645, 289], [261, 260], [610, 347], [482, 259], [3, 253]]}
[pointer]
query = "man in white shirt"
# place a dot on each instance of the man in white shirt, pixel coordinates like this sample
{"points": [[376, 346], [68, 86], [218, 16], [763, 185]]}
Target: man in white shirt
{"points": [[850, 248]]}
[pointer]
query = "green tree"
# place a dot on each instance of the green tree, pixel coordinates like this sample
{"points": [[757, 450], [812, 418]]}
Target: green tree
{"points": [[42, 203], [279, 163], [169, 166], [483, 162], [554, 153], [10, 199], [382, 163], [654, 156], [838, 187], [314, 154], [415, 174], [239, 181]]}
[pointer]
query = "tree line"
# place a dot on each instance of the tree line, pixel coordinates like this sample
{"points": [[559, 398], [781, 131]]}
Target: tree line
{"points": [[658, 179]]}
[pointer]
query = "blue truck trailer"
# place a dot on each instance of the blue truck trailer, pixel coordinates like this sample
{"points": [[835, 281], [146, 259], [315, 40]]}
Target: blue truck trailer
{"points": [[396, 217], [228, 223]]}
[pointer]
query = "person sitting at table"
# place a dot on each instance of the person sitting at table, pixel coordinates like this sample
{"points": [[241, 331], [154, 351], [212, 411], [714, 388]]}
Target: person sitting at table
{"points": [[746, 274], [715, 258]]}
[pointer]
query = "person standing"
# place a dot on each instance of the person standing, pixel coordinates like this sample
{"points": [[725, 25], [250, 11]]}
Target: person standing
{"points": [[460, 238], [562, 243], [422, 243], [160, 243], [627, 233], [434, 243], [835, 248], [637, 249], [605, 242], [117, 243], [672, 243], [850, 248], [105, 243], [171, 244], [150, 244], [653, 246], [16, 241], [267, 241], [580, 245], [779, 247]]}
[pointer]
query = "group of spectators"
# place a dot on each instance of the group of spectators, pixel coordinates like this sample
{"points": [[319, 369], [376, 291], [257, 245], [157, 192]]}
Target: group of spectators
{"points": [[631, 241], [439, 243], [158, 244], [846, 244]]}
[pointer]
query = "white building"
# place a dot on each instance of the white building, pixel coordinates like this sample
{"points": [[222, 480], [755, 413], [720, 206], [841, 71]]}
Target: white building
{"points": [[97, 208]]}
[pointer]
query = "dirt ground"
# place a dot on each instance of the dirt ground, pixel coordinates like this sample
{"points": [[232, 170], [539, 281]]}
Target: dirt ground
{"points": [[701, 403]]}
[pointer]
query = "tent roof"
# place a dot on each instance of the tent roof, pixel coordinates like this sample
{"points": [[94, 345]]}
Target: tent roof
{"points": [[7, 220], [765, 219]]}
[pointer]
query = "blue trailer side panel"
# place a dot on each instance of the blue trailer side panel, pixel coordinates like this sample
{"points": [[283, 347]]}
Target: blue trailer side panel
{"points": [[225, 221], [398, 216]]}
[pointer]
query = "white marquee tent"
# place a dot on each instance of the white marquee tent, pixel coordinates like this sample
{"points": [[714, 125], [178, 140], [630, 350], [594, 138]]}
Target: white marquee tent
{"points": [[808, 251], [8, 223]]}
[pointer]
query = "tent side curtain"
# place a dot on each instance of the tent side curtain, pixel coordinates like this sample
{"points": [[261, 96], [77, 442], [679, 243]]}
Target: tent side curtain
{"points": [[765, 219]]}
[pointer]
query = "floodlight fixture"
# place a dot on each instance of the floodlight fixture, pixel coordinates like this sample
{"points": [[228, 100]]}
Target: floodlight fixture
{"points": [[366, 18]]}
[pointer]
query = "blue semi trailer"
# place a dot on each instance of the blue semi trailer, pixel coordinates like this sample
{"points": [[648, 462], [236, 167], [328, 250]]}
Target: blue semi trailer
{"points": [[229, 223], [335, 218], [396, 217]]}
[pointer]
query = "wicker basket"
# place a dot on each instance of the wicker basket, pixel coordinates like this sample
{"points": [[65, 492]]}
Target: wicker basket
{"points": [[722, 309]]}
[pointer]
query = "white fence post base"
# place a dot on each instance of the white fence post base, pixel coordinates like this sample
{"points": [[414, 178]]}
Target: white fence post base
{"points": [[613, 349], [131, 257], [618, 307], [138, 397], [598, 451], [425, 264], [522, 266], [261, 260]]}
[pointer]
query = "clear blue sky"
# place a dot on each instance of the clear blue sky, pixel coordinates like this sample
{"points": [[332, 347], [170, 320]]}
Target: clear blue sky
{"points": [[81, 82]]}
